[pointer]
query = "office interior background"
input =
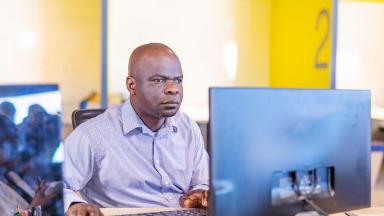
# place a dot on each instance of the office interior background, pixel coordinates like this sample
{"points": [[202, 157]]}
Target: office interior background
{"points": [[84, 46]]}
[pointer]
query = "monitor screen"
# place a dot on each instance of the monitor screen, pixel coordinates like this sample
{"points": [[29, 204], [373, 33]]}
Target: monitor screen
{"points": [[30, 140], [285, 151]]}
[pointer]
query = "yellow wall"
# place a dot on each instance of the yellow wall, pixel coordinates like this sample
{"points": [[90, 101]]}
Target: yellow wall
{"points": [[253, 37], [298, 28], [274, 41], [278, 41], [71, 49], [20, 23], [45, 41]]}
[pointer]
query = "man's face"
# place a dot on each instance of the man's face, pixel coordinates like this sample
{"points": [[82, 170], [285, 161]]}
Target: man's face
{"points": [[36, 116], [159, 89]]}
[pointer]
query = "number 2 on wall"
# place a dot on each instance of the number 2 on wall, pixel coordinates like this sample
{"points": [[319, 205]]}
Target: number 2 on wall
{"points": [[322, 64]]}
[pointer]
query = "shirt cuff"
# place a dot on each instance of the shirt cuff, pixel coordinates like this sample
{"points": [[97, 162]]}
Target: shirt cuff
{"points": [[70, 197], [200, 186]]}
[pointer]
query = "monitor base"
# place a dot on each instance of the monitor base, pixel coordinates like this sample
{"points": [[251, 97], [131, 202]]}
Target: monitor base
{"points": [[308, 213]]}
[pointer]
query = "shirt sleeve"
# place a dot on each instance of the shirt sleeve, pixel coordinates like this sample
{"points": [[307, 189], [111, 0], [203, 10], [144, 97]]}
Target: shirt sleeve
{"points": [[78, 165], [200, 175]]}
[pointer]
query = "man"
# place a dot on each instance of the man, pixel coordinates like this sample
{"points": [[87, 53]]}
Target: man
{"points": [[9, 138], [143, 153], [8, 109]]}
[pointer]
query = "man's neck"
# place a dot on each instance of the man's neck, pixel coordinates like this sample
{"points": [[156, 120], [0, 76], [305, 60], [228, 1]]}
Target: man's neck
{"points": [[153, 123]]}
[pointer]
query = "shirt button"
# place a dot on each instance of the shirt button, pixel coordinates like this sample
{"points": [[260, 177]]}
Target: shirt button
{"points": [[157, 160], [170, 198]]}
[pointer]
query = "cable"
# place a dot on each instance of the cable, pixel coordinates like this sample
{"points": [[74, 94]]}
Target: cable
{"points": [[296, 188], [313, 205]]}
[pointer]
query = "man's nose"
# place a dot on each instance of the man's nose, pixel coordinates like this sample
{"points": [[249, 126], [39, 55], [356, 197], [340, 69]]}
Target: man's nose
{"points": [[171, 88]]}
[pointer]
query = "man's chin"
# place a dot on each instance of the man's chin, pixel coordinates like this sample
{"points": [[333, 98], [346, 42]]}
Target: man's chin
{"points": [[167, 114]]}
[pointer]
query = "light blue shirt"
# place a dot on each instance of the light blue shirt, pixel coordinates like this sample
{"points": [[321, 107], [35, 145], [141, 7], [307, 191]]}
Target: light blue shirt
{"points": [[115, 160]]}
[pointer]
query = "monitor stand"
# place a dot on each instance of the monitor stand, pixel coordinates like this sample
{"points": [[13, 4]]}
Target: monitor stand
{"points": [[308, 213], [301, 186]]}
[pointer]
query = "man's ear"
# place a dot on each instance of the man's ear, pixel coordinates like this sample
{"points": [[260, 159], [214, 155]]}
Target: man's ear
{"points": [[131, 85]]}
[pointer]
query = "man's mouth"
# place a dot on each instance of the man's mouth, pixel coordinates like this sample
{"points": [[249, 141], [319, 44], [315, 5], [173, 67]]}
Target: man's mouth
{"points": [[170, 103]]}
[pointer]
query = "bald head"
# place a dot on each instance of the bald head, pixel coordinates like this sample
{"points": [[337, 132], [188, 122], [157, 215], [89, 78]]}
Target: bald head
{"points": [[155, 83], [148, 50]]}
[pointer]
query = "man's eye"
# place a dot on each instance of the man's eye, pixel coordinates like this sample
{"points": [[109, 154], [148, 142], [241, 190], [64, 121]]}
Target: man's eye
{"points": [[159, 80], [178, 81]]}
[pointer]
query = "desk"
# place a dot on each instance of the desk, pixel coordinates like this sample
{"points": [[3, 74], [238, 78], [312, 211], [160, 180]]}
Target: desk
{"points": [[377, 150], [373, 211], [120, 211]]}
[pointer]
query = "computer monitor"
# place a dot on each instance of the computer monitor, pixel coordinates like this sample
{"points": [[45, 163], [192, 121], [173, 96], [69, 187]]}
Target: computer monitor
{"points": [[283, 151], [30, 140]]}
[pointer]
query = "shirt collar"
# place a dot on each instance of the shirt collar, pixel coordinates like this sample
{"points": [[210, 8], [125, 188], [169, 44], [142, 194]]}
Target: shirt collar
{"points": [[131, 120], [170, 124]]}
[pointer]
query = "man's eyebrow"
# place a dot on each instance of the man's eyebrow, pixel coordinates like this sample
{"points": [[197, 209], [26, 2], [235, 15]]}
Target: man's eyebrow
{"points": [[165, 77], [158, 76]]}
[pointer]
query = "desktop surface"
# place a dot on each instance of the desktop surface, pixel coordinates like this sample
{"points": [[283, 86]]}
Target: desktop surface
{"points": [[373, 211]]}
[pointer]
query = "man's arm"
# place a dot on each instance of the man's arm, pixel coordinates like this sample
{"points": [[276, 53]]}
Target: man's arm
{"points": [[197, 196], [71, 197], [200, 175], [78, 166]]}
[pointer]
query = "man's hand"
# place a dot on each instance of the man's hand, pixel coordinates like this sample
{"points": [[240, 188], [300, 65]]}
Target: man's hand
{"points": [[83, 209], [41, 198], [194, 199]]}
